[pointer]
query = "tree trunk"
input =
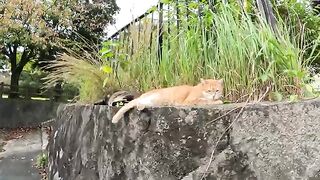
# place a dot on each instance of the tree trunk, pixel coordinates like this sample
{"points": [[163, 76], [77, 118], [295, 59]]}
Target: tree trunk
{"points": [[14, 84], [16, 69]]}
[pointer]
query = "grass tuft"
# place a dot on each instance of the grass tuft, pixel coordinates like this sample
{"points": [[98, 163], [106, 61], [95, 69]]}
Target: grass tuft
{"points": [[83, 71]]}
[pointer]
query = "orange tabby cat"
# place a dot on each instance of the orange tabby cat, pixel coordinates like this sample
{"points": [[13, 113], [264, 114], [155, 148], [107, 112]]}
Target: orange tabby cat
{"points": [[208, 91]]}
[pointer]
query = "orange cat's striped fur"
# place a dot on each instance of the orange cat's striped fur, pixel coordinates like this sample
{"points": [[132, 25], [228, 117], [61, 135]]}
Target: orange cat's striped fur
{"points": [[208, 91]]}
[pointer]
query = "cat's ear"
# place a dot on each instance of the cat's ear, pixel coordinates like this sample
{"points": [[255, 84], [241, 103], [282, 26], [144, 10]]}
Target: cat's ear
{"points": [[220, 81]]}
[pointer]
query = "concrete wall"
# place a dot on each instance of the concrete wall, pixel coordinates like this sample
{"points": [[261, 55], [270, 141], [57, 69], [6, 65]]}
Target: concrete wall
{"points": [[264, 141], [25, 113]]}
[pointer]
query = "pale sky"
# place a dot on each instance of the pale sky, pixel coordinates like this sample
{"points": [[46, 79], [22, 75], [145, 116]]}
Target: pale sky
{"points": [[129, 9]]}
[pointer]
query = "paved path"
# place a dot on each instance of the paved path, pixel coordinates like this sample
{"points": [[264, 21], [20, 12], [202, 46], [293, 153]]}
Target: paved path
{"points": [[18, 160]]}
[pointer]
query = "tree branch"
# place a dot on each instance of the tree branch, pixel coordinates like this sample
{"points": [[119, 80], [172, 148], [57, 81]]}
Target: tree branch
{"points": [[10, 50], [15, 47], [4, 51], [25, 58], [12, 54]]}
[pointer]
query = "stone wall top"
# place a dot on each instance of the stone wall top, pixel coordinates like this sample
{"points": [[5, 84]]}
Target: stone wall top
{"points": [[258, 141]]}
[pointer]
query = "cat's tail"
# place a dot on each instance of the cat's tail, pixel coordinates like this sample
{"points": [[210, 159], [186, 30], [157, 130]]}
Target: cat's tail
{"points": [[123, 110]]}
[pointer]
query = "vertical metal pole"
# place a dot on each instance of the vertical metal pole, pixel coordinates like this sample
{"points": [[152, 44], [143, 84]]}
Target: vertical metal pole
{"points": [[168, 21], [178, 16], [160, 31], [150, 46]]}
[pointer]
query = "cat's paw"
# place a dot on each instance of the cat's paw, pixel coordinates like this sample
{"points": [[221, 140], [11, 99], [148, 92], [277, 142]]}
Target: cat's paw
{"points": [[218, 102], [141, 107]]}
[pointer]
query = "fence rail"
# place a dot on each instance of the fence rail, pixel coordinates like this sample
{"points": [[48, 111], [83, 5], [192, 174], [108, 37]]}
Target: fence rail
{"points": [[125, 33], [35, 93]]}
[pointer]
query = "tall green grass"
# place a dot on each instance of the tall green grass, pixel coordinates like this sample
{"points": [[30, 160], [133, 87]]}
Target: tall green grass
{"points": [[246, 53], [254, 61]]}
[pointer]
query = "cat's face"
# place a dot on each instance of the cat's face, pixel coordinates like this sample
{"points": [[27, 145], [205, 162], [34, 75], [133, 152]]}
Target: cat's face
{"points": [[212, 89]]}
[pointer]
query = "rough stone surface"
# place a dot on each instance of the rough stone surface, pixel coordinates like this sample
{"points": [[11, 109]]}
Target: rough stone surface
{"points": [[16, 113], [258, 141]]}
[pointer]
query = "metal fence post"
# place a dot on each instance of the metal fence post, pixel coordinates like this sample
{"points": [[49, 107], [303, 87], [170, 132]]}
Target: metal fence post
{"points": [[160, 32]]}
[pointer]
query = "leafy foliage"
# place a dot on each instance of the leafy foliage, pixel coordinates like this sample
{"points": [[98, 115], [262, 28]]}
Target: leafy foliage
{"points": [[303, 19], [38, 29]]}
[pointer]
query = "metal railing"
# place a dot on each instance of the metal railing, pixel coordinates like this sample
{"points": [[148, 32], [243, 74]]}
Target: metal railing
{"points": [[151, 26], [27, 92]]}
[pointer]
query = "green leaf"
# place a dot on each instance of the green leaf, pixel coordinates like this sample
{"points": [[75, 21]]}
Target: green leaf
{"points": [[165, 1], [122, 57], [107, 55], [264, 77], [107, 44], [119, 104], [104, 50], [106, 69], [301, 74], [193, 5], [308, 91], [290, 73], [154, 8], [276, 96], [124, 64], [293, 98], [309, 88], [114, 44], [105, 82]]}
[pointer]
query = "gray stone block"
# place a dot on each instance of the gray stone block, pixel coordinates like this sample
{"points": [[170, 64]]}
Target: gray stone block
{"points": [[16, 113], [258, 141]]}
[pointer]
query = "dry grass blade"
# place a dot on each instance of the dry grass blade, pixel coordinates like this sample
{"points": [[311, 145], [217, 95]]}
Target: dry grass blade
{"points": [[84, 73]]}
